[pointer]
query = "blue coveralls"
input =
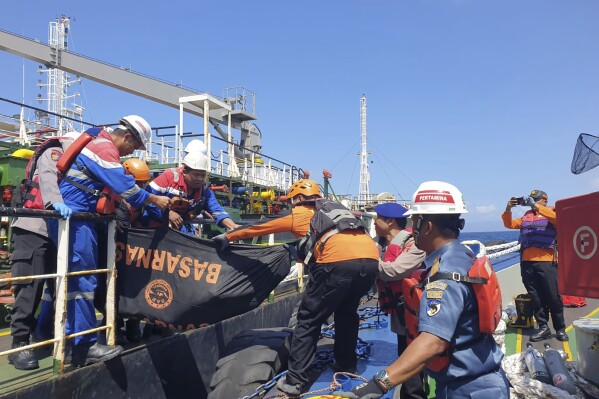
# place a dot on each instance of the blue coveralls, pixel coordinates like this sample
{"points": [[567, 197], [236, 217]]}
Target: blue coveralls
{"points": [[101, 158], [451, 313]]}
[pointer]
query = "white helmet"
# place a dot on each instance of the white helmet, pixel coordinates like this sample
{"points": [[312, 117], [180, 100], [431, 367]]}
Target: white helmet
{"points": [[195, 146], [197, 161], [138, 127], [71, 136], [437, 197]]}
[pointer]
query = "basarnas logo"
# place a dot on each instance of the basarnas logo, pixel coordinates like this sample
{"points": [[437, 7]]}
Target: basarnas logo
{"points": [[159, 294]]}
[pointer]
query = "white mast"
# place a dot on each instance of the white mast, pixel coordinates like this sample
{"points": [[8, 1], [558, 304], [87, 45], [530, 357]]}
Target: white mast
{"points": [[58, 81], [364, 174]]}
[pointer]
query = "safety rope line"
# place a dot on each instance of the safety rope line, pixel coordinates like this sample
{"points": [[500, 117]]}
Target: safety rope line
{"points": [[494, 255], [493, 251], [324, 358]]}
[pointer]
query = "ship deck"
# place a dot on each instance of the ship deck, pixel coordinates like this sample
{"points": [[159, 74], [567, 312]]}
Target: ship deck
{"points": [[12, 380]]}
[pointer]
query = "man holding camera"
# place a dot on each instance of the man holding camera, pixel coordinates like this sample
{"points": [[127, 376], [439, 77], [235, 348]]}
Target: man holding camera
{"points": [[538, 261]]}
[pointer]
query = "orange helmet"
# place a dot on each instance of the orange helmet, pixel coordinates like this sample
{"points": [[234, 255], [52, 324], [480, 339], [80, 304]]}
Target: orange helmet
{"points": [[305, 187], [138, 169]]}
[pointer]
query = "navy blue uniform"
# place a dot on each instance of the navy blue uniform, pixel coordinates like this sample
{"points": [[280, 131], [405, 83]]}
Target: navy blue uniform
{"points": [[449, 310]]}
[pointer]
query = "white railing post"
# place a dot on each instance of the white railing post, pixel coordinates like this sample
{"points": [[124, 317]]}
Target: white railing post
{"points": [[60, 316], [111, 284]]}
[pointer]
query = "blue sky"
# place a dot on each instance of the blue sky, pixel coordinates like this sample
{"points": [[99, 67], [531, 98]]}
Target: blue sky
{"points": [[487, 95]]}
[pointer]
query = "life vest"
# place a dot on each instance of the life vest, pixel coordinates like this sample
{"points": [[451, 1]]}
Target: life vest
{"points": [[536, 231], [486, 288], [390, 293], [330, 218], [107, 199], [30, 189]]}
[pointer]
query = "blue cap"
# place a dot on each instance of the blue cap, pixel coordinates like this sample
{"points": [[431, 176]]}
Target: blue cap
{"points": [[390, 210], [93, 131]]}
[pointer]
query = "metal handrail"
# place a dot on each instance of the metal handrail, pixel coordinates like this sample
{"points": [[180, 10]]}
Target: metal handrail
{"points": [[60, 316]]}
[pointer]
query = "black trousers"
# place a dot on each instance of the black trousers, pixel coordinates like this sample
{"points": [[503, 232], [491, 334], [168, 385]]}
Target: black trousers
{"points": [[540, 280], [332, 288], [412, 388], [32, 254]]}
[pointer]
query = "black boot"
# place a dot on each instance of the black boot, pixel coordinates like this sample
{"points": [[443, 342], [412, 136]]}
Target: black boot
{"points": [[561, 335], [23, 360], [86, 354], [543, 333]]}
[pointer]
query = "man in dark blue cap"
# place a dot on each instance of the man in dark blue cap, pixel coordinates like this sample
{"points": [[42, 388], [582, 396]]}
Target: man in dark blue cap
{"points": [[400, 257]]}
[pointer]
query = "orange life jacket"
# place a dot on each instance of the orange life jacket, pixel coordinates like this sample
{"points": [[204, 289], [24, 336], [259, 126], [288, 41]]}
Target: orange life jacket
{"points": [[390, 292], [488, 297]]}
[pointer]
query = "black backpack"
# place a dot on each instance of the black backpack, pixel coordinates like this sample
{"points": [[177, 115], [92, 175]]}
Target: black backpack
{"points": [[330, 218]]}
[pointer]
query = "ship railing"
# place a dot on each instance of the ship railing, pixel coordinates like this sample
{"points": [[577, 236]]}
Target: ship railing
{"points": [[60, 316], [256, 168], [492, 251]]}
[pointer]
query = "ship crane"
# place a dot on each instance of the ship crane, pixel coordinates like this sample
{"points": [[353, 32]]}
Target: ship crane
{"points": [[57, 57]]}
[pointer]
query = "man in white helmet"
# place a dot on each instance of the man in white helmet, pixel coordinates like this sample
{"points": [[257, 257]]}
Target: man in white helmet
{"points": [[186, 186], [96, 167], [447, 340]]}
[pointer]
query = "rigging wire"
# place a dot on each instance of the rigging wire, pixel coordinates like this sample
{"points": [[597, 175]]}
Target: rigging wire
{"points": [[343, 157], [390, 179], [396, 167], [352, 176]]}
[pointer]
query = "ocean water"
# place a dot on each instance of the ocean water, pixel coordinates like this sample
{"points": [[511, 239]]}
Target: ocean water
{"points": [[505, 235]]}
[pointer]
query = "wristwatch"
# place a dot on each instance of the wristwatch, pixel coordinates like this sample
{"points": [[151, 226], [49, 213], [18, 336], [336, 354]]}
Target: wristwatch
{"points": [[382, 378]]}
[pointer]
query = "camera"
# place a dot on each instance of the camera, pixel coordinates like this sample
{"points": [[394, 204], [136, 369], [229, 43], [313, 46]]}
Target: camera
{"points": [[519, 200]]}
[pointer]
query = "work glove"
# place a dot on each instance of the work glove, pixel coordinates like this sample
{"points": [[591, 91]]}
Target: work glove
{"points": [[64, 210], [122, 214], [529, 201], [221, 241], [366, 390]]}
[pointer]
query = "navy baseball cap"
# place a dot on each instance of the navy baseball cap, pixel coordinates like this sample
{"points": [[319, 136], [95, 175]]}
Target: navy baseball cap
{"points": [[538, 194], [390, 210]]}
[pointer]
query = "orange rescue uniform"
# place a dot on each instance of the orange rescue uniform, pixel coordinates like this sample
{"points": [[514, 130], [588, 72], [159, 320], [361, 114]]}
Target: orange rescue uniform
{"points": [[533, 254], [345, 245]]}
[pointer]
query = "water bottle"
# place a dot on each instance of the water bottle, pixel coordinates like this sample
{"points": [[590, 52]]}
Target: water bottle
{"points": [[558, 371], [536, 365]]}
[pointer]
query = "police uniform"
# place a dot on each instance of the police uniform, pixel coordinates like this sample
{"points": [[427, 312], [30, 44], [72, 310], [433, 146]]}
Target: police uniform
{"points": [[449, 311], [101, 160], [399, 259], [172, 184], [34, 252]]}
